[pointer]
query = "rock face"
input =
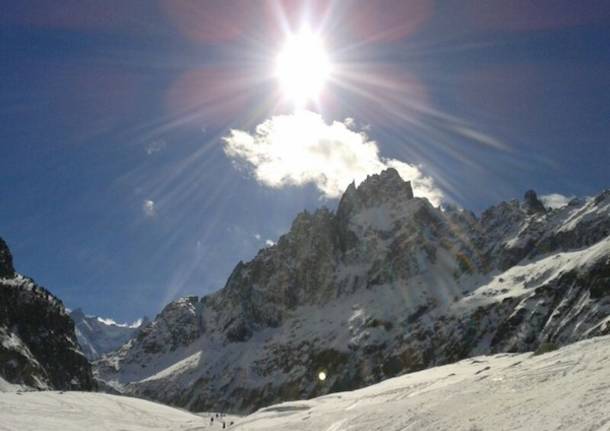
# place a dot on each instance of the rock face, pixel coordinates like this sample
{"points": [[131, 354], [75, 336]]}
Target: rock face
{"points": [[38, 347], [97, 336], [531, 204], [388, 284], [6, 261]]}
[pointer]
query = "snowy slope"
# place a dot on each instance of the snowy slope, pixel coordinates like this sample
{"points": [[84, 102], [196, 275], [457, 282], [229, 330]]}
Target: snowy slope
{"points": [[98, 336], [568, 389], [387, 284], [77, 411]]}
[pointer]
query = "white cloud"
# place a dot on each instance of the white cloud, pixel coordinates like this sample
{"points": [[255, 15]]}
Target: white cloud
{"points": [[257, 236], [149, 208], [555, 200], [301, 148], [269, 243]]}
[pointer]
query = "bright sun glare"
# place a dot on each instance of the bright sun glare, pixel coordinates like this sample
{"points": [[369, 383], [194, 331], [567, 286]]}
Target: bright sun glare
{"points": [[302, 67]]}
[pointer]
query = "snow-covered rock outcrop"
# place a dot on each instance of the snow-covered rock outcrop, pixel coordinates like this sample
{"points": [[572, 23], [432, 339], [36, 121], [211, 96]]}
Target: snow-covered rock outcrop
{"points": [[38, 347], [387, 284]]}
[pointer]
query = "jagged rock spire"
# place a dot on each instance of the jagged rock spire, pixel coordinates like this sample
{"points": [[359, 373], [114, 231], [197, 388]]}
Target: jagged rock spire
{"points": [[376, 189], [6, 261], [532, 204]]}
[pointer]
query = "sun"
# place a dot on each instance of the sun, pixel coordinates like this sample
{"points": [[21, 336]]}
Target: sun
{"points": [[302, 67]]}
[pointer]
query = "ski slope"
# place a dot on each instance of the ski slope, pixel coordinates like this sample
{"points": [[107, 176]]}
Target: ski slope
{"points": [[567, 389]]}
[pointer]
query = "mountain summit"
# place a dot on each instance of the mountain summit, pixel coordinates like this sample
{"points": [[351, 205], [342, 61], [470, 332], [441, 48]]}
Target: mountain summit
{"points": [[6, 261], [374, 191]]}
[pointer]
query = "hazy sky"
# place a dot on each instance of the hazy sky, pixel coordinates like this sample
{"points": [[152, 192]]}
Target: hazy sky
{"points": [[143, 147]]}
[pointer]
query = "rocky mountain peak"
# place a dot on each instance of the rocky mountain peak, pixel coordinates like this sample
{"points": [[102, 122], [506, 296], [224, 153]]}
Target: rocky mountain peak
{"points": [[387, 184], [177, 325], [532, 204], [375, 190], [6, 261]]}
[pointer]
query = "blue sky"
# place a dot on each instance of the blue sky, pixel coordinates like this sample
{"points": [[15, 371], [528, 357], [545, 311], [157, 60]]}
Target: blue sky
{"points": [[117, 192]]}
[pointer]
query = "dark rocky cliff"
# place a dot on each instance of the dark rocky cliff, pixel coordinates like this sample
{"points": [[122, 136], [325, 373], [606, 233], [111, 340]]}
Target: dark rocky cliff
{"points": [[38, 347]]}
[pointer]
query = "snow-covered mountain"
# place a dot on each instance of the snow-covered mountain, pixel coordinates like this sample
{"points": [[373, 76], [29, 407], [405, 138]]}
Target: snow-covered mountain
{"points": [[566, 389], [38, 347], [98, 336], [387, 284]]}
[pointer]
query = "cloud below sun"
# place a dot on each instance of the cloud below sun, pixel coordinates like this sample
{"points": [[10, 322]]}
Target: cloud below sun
{"points": [[301, 148]]}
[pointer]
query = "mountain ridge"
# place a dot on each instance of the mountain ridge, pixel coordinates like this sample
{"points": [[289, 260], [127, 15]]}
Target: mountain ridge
{"points": [[385, 285]]}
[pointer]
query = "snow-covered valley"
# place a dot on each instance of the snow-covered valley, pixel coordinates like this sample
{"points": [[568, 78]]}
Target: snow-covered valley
{"points": [[566, 389]]}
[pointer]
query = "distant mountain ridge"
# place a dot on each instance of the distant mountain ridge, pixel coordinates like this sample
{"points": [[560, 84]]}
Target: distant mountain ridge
{"points": [[38, 347], [98, 336], [385, 285]]}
